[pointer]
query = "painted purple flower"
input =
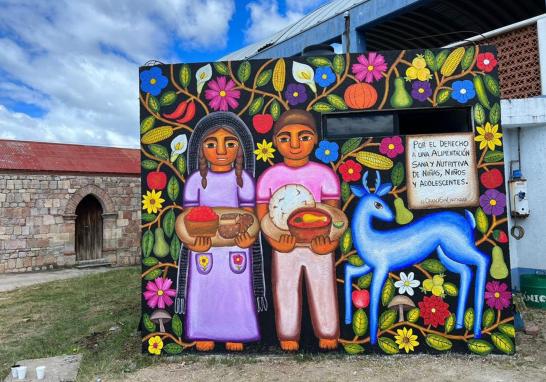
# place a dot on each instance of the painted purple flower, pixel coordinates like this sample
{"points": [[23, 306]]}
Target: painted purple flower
{"points": [[158, 293], [221, 94], [420, 90], [497, 295], [295, 94], [493, 202], [391, 146], [369, 68]]}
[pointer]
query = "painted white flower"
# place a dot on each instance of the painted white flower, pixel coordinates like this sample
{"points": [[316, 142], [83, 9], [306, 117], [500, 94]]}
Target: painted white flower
{"points": [[406, 283], [202, 75], [304, 74], [178, 146]]}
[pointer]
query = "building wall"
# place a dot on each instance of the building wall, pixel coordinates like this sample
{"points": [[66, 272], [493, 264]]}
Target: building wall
{"points": [[37, 219]]}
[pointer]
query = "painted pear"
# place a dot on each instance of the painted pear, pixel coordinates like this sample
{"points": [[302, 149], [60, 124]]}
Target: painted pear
{"points": [[400, 98], [161, 248], [498, 269], [403, 215]]}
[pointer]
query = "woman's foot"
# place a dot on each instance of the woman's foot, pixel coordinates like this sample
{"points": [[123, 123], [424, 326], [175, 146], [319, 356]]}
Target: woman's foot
{"points": [[234, 346], [204, 345], [327, 344], [290, 345]]}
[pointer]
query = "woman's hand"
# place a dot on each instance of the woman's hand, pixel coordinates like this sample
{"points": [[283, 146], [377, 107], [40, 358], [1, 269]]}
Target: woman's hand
{"points": [[244, 240], [201, 244], [322, 245], [286, 243]]}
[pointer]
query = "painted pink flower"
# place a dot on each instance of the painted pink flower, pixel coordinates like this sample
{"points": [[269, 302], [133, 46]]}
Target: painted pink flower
{"points": [[369, 68], [497, 295], [158, 293], [221, 94], [238, 259], [391, 146]]}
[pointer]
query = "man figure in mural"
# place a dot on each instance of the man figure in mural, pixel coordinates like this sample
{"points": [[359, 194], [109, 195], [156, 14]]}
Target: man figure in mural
{"points": [[225, 284], [295, 136]]}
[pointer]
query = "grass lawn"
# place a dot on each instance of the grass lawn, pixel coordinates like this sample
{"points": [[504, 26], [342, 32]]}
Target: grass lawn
{"points": [[75, 316]]}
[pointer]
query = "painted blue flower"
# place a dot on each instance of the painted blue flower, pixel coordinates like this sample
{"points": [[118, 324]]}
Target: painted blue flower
{"points": [[324, 76], [153, 81], [463, 91], [327, 151]]}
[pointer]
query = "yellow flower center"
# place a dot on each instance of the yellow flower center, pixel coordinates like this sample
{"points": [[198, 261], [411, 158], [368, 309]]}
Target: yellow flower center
{"points": [[324, 76], [421, 90], [406, 283], [391, 146], [153, 81], [295, 94], [160, 292], [497, 294], [178, 146], [489, 136], [433, 310], [222, 93], [327, 152], [493, 202], [350, 171], [370, 68]]}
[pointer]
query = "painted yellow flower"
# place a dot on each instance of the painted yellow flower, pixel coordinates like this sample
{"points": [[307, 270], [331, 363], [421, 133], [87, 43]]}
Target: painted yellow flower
{"points": [[204, 262], [406, 339], [264, 151], [418, 70], [155, 344], [151, 202], [489, 136]]}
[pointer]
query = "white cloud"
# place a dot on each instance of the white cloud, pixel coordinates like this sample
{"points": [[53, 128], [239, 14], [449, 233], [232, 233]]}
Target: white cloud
{"points": [[79, 61]]}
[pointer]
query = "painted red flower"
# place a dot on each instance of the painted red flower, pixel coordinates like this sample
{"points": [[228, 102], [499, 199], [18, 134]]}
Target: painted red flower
{"points": [[350, 171], [434, 311], [238, 259], [391, 146], [486, 62]]}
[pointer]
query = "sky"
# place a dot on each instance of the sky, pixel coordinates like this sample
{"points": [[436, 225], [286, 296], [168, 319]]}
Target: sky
{"points": [[69, 69]]}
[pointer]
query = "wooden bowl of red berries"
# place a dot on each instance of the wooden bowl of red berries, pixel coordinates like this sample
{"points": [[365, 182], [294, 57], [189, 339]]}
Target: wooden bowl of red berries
{"points": [[201, 221]]}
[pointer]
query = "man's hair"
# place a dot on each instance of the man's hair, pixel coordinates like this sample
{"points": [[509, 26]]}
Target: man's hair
{"points": [[295, 117]]}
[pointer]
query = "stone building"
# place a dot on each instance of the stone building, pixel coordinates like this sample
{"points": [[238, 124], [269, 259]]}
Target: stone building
{"points": [[67, 205]]}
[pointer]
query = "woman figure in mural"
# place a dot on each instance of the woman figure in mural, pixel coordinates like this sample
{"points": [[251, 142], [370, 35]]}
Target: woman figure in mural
{"points": [[295, 137], [221, 289]]}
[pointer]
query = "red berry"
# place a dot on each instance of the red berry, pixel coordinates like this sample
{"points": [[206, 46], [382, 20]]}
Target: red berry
{"points": [[500, 236], [156, 180], [262, 123], [361, 298], [492, 178]]}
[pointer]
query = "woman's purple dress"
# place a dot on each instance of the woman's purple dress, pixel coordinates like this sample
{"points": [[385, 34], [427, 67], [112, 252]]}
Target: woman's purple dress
{"points": [[220, 299]]}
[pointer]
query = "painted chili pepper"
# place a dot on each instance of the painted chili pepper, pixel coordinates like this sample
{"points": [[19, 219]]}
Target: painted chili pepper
{"points": [[180, 109], [190, 113]]}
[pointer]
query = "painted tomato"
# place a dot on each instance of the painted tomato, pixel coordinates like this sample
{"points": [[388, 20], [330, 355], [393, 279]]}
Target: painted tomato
{"points": [[156, 180], [262, 123], [492, 178], [361, 298]]}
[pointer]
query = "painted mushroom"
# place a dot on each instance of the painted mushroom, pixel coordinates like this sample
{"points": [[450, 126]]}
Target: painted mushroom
{"points": [[160, 317], [403, 303]]}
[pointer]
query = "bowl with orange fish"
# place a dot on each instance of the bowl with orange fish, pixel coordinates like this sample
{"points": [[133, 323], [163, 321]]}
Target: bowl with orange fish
{"points": [[307, 223]]}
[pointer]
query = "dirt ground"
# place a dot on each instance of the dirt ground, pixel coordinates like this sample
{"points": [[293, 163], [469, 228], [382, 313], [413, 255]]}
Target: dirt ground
{"points": [[529, 364]]}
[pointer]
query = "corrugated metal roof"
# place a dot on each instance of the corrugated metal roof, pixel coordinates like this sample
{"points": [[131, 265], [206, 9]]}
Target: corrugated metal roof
{"points": [[59, 158], [325, 12]]}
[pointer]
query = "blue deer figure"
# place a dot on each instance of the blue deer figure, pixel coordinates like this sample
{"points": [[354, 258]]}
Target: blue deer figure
{"points": [[384, 251]]}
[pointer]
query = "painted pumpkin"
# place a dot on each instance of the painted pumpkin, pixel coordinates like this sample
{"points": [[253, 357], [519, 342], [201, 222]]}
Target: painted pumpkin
{"points": [[360, 96]]}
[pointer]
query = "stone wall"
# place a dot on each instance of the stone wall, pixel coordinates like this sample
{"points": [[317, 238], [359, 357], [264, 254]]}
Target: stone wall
{"points": [[38, 221]]}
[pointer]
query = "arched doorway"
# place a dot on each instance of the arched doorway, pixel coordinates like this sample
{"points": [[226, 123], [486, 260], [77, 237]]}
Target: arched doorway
{"points": [[88, 229]]}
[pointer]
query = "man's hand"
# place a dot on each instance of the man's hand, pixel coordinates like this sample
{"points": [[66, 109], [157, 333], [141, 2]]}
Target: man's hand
{"points": [[322, 245], [244, 240], [286, 243], [201, 244]]}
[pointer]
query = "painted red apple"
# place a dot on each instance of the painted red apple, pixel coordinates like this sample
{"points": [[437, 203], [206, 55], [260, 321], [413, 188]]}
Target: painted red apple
{"points": [[156, 180], [262, 123], [361, 298], [492, 178]]}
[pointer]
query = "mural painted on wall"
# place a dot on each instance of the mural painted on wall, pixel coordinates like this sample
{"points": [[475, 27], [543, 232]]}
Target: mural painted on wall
{"points": [[261, 234]]}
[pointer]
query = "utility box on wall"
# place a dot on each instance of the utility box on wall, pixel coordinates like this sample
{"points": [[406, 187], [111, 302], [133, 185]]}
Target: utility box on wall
{"points": [[349, 203]]}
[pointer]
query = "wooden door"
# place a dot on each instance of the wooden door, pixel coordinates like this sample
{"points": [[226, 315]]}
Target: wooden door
{"points": [[88, 229]]}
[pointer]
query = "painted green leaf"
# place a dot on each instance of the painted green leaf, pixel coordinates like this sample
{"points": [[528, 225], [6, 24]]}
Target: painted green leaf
{"points": [[443, 96], [503, 343], [388, 345], [275, 110], [150, 261], [350, 145], [388, 292], [430, 60], [319, 61], [355, 260], [346, 242], [221, 68], [264, 78], [492, 85], [387, 319], [493, 156], [159, 151], [176, 325], [508, 329], [468, 57], [480, 347], [173, 348], [168, 223], [441, 58], [438, 342], [353, 348], [181, 164], [482, 222], [365, 281], [243, 73], [153, 275], [185, 75], [479, 114], [449, 323], [495, 114], [451, 289], [488, 318], [147, 124], [173, 189], [469, 319], [397, 174], [146, 217], [323, 107], [147, 323], [147, 243], [360, 322], [256, 106], [167, 98], [148, 164], [336, 101], [338, 64], [413, 315], [174, 248], [345, 191], [433, 266], [153, 103], [480, 91]]}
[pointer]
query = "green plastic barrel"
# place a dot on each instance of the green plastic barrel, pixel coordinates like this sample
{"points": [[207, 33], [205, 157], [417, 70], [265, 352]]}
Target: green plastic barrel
{"points": [[533, 288]]}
